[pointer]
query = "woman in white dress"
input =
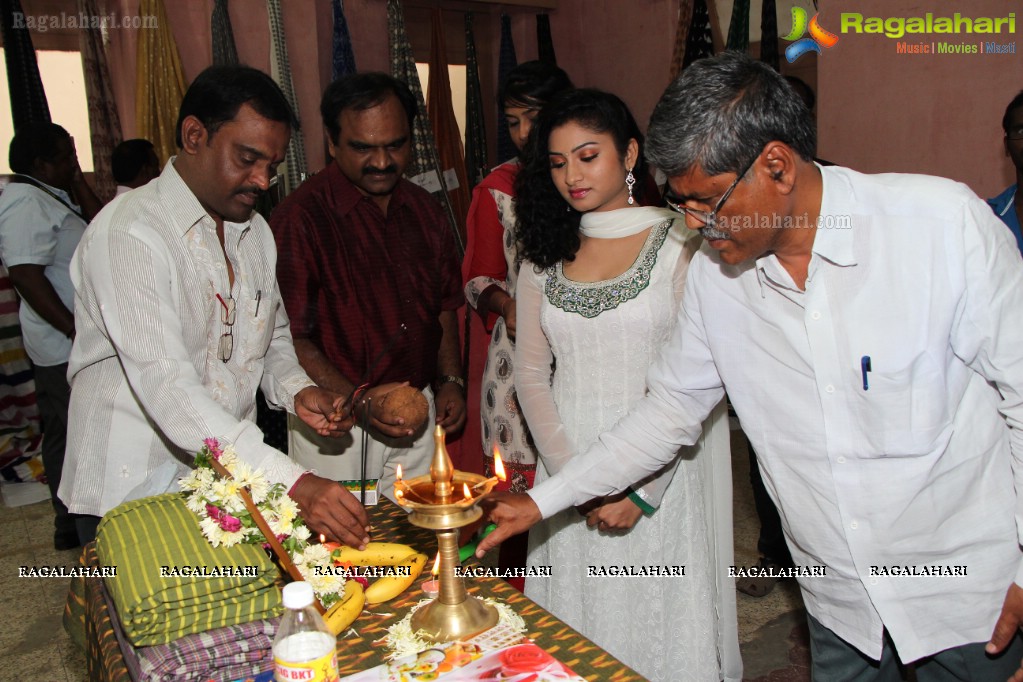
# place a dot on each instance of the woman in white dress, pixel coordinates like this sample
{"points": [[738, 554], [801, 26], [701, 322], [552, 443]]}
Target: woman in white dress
{"points": [[596, 302]]}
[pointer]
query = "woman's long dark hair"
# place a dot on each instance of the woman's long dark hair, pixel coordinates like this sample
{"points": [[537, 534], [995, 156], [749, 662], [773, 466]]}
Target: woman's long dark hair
{"points": [[547, 228]]}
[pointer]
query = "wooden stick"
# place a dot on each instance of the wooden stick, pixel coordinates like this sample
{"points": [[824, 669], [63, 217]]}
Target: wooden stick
{"points": [[264, 527]]}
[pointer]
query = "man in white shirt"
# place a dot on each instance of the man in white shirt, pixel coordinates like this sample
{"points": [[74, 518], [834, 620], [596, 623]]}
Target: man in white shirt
{"points": [[41, 223], [867, 330], [179, 318]]}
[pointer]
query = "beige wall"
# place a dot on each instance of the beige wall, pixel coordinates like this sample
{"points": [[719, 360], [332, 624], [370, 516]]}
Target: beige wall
{"points": [[931, 113]]}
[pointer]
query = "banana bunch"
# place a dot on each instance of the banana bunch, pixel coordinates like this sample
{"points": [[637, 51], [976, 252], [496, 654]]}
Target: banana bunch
{"points": [[344, 612], [383, 554]]}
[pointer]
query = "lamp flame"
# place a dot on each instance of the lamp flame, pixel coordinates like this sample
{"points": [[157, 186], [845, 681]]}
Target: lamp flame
{"points": [[398, 472], [499, 465], [436, 566], [323, 538], [465, 491]]}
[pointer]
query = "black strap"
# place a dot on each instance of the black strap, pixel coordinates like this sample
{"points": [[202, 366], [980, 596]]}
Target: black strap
{"points": [[29, 180]]}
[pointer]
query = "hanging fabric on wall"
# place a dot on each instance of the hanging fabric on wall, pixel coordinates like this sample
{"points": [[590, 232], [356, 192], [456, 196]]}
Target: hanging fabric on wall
{"points": [[294, 165], [445, 125], [28, 99], [506, 62], [738, 27], [424, 166], [475, 129], [104, 122], [699, 43], [159, 82], [769, 35], [224, 50], [544, 42], [685, 16], [342, 56]]}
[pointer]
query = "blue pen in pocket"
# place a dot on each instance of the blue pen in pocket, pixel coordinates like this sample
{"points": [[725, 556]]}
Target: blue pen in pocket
{"points": [[864, 368]]}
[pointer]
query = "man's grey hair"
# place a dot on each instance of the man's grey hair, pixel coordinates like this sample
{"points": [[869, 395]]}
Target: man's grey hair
{"points": [[721, 111]]}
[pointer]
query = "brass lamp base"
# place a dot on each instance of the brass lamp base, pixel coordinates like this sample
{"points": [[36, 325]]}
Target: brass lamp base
{"points": [[439, 622]]}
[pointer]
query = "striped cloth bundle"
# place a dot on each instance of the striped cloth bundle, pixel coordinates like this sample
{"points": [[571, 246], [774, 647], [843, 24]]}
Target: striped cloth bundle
{"points": [[158, 549]]}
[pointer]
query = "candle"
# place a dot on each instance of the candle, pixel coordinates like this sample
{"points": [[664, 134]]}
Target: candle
{"points": [[431, 588]]}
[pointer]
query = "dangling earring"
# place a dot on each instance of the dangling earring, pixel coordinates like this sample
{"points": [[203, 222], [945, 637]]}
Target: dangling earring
{"points": [[630, 181]]}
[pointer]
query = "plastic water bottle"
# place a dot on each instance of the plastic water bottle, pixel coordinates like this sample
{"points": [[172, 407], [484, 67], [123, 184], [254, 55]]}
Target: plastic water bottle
{"points": [[304, 648]]}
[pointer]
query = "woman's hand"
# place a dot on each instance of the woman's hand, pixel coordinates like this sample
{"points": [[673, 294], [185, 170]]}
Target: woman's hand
{"points": [[508, 313], [619, 513]]}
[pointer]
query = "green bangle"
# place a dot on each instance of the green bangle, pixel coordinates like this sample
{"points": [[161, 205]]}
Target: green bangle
{"points": [[641, 503]]}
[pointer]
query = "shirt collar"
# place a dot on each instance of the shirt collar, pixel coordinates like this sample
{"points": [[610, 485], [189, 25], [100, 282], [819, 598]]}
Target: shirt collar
{"points": [[187, 211], [833, 239], [56, 191]]}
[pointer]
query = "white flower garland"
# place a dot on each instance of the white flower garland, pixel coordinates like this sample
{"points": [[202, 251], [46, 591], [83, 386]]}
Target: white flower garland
{"points": [[224, 520]]}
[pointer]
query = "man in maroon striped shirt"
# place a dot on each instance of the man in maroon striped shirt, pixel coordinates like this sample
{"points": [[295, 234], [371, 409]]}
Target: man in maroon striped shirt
{"points": [[369, 275]]}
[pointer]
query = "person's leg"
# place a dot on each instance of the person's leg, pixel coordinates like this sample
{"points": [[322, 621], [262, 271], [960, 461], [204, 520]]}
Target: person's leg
{"points": [[832, 659], [774, 552], [86, 525], [53, 394], [969, 663]]}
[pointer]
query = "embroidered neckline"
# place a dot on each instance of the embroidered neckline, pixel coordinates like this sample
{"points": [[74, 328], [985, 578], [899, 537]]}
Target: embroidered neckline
{"points": [[590, 299]]}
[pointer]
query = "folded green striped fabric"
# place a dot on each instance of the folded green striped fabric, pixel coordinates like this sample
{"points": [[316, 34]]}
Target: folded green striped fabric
{"points": [[171, 582]]}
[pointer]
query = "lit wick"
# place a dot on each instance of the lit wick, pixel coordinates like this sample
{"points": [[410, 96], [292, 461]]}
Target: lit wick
{"points": [[465, 491], [498, 471]]}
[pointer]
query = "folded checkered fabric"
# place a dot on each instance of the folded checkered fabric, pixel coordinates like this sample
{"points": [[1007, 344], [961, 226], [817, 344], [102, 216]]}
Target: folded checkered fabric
{"points": [[147, 539], [229, 653]]}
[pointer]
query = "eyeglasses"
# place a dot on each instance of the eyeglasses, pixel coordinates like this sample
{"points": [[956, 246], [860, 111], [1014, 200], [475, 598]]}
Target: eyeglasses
{"points": [[707, 218], [1015, 133], [226, 345]]}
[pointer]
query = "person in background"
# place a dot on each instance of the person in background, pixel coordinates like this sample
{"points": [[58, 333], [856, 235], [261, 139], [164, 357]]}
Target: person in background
{"points": [[43, 214], [179, 319], [490, 270], [133, 164], [867, 331], [1009, 204], [598, 294], [369, 276]]}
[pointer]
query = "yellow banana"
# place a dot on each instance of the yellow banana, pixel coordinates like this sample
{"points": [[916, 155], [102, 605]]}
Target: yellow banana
{"points": [[375, 554], [389, 587], [344, 612]]}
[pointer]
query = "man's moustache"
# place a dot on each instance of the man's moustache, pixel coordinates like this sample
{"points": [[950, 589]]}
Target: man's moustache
{"points": [[390, 170]]}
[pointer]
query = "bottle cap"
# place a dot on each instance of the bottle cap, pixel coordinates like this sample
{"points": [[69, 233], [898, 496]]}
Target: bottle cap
{"points": [[298, 595]]}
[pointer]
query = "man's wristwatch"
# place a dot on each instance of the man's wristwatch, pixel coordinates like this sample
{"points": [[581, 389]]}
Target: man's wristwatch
{"points": [[451, 379]]}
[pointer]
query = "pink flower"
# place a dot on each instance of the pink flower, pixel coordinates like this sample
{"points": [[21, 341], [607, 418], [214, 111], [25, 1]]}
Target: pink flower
{"points": [[213, 445], [229, 523], [213, 511]]}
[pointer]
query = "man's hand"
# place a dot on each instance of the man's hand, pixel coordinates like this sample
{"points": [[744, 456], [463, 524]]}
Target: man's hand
{"points": [[328, 508], [450, 404], [618, 513], [513, 513], [1008, 625], [319, 409]]}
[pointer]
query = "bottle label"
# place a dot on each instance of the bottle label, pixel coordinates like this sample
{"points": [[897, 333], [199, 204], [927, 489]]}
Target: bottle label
{"points": [[323, 669]]}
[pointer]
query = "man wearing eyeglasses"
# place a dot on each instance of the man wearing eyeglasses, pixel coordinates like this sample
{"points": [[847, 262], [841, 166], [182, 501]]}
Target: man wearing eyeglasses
{"points": [[1009, 204], [179, 319], [867, 331]]}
